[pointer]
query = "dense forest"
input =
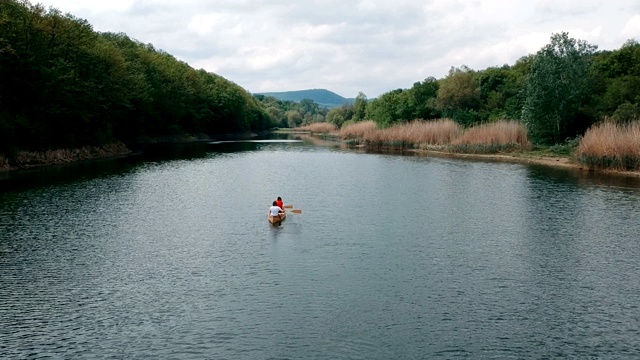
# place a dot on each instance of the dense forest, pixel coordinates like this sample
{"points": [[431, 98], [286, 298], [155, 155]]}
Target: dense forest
{"points": [[66, 85]]}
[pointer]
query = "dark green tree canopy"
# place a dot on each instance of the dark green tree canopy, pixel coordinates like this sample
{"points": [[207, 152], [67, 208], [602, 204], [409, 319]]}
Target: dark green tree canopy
{"points": [[557, 86], [65, 85]]}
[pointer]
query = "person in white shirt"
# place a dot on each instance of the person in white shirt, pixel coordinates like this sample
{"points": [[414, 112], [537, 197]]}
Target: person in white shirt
{"points": [[275, 210]]}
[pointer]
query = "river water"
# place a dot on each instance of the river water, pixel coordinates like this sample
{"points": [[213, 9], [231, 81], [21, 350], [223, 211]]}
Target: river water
{"points": [[170, 255]]}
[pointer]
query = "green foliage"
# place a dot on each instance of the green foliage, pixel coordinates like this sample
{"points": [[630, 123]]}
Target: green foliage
{"points": [[336, 117], [294, 119], [557, 86], [65, 85], [283, 113], [626, 113], [618, 78], [322, 97], [566, 148], [387, 109], [500, 90], [423, 99], [360, 107], [459, 90]]}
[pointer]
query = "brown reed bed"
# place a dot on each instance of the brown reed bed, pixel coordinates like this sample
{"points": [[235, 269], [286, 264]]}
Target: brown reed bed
{"points": [[319, 128], [415, 134], [61, 156], [358, 130], [491, 138], [611, 146]]}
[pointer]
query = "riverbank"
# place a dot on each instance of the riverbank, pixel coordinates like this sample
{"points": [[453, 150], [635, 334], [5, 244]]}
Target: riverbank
{"points": [[535, 156], [559, 161], [34, 159]]}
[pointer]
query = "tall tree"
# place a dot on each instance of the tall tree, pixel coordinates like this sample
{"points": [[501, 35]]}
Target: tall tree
{"points": [[360, 107], [558, 85], [459, 95], [423, 97]]}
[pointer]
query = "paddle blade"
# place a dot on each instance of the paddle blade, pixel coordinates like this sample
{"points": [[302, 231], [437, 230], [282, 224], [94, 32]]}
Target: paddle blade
{"points": [[288, 206], [296, 211]]}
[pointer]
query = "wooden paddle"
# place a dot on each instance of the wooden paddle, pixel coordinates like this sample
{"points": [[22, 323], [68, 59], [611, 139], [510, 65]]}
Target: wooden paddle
{"points": [[288, 206], [296, 211]]}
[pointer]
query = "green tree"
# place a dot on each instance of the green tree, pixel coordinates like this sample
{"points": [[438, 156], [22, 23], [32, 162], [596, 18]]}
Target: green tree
{"points": [[500, 89], [386, 109], [558, 85], [294, 119], [618, 78], [459, 96], [423, 99], [627, 112], [64, 85], [336, 116], [359, 107], [459, 90]]}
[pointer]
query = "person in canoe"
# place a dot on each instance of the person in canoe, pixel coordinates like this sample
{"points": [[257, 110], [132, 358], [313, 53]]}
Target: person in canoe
{"points": [[275, 210], [280, 203]]}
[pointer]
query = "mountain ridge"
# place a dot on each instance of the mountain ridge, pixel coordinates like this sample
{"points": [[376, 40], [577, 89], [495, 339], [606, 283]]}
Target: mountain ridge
{"points": [[322, 97]]}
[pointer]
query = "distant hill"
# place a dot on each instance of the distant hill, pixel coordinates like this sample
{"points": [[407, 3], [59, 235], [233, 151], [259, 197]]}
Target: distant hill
{"points": [[321, 97]]}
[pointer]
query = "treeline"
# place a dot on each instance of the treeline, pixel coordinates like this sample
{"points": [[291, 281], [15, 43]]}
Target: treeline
{"points": [[557, 93], [285, 113], [65, 85]]}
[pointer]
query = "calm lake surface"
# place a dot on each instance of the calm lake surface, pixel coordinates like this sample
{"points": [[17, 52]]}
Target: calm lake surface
{"points": [[170, 255]]}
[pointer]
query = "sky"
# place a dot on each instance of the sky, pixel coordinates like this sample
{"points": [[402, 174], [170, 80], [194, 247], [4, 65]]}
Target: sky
{"points": [[349, 46]]}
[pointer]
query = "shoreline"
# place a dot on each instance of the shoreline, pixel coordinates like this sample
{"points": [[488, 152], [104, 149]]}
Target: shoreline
{"points": [[33, 160], [75, 156], [557, 161], [524, 158]]}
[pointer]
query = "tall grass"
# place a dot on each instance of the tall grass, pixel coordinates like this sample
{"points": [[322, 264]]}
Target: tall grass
{"points": [[442, 134], [611, 146], [320, 127], [358, 130], [415, 134], [500, 136]]}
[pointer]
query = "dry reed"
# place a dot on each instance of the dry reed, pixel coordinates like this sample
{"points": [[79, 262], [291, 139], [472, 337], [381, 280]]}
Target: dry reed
{"points": [[320, 127], [61, 156], [611, 146], [414, 134], [358, 130], [500, 136]]}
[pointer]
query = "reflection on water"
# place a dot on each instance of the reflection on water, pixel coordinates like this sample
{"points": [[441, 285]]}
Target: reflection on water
{"points": [[169, 254]]}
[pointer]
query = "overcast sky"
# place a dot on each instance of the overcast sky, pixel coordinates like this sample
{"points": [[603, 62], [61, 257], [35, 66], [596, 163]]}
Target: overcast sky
{"points": [[349, 46]]}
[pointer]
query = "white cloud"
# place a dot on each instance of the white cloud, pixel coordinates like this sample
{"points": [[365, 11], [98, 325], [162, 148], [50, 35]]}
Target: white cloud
{"points": [[73, 6], [632, 27], [372, 46]]}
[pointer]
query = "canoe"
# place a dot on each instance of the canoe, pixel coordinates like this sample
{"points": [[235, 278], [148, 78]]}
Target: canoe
{"points": [[277, 219]]}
